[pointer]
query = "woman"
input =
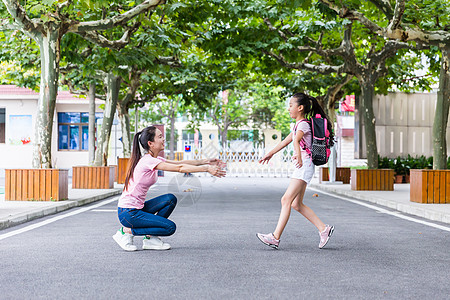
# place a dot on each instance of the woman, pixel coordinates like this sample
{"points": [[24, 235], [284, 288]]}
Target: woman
{"points": [[149, 218], [300, 107]]}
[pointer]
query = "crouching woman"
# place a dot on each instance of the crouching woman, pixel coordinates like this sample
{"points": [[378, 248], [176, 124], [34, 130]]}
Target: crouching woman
{"points": [[149, 218]]}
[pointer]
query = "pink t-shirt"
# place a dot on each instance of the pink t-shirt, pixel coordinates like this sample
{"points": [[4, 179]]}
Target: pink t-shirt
{"points": [[306, 128], [144, 176]]}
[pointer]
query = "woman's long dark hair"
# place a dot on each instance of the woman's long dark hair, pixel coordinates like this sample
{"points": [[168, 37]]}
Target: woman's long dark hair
{"points": [[142, 137], [312, 107]]}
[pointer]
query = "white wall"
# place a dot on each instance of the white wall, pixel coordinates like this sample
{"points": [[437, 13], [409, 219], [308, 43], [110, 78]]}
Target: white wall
{"points": [[17, 156], [20, 156]]}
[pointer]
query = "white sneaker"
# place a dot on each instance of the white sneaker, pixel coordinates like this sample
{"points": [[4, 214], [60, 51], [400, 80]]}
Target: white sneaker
{"points": [[125, 241], [154, 243]]}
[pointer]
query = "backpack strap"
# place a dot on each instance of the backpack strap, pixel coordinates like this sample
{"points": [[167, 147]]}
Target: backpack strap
{"points": [[302, 142], [298, 123]]}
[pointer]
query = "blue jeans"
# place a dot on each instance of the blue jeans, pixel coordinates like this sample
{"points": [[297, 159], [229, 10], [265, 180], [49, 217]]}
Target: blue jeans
{"points": [[152, 218]]}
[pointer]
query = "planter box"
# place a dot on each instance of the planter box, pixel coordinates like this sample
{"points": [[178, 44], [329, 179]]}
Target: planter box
{"points": [[86, 177], [342, 174], [122, 167], [430, 186], [37, 184], [372, 180]]}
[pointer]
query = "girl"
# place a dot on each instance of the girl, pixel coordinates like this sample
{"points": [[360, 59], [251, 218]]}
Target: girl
{"points": [[300, 106], [149, 218]]}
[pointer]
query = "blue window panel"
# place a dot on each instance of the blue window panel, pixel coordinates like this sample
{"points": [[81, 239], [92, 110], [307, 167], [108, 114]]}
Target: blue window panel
{"points": [[84, 117], [63, 140], [69, 117], [85, 138], [74, 138]]}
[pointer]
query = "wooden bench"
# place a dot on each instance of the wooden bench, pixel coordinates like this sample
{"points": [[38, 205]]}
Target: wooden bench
{"points": [[372, 179], [87, 177], [37, 184], [342, 174], [122, 168], [430, 186]]}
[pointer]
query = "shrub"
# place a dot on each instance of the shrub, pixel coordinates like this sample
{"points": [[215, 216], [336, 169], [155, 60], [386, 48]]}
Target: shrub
{"points": [[402, 166]]}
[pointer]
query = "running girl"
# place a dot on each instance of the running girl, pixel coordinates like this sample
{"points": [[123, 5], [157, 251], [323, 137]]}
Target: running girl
{"points": [[150, 218], [300, 106]]}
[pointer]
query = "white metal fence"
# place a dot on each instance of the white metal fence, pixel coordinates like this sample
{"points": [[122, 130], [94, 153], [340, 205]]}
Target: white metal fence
{"points": [[246, 162]]}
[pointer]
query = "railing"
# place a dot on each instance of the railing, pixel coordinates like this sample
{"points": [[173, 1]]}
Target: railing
{"points": [[246, 163]]}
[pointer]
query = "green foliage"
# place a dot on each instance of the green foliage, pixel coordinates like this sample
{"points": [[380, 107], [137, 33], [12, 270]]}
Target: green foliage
{"points": [[403, 165], [428, 14], [20, 59]]}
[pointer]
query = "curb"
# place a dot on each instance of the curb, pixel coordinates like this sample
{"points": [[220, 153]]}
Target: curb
{"points": [[59, 207], [404, 208]]}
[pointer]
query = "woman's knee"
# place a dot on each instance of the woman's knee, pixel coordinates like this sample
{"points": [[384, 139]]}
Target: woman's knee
{"points": [[171, 228], [172, 198]]}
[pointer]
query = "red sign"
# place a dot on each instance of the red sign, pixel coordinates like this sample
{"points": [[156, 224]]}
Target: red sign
{"points": [[348, 104]]}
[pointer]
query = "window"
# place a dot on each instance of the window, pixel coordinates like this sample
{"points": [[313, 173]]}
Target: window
{"points": [[2, 125], [73, 132]]}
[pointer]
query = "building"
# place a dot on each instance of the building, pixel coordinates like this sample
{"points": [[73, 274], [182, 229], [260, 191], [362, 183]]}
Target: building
{"points": [[18, 108]]}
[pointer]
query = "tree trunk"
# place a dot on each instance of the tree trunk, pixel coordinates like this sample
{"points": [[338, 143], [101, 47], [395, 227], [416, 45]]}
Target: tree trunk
{"points": [[124, 119], [112, 83], [441, 114], [367, 92], [223, 135], [136, 119], [49, 46], [172, 135], [91, 135]]}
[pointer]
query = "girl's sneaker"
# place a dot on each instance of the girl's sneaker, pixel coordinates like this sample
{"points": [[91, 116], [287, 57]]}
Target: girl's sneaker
{"points": [[154, 243], [325, 235], [125, 240], [268, 239]]}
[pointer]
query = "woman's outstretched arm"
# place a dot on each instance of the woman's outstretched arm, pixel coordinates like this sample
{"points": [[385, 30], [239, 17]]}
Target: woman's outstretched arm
{"points": [[214, 170], [197, 162]]}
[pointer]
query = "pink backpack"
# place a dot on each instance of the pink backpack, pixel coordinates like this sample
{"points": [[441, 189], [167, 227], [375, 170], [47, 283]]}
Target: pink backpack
{"points": [[320, 146]]}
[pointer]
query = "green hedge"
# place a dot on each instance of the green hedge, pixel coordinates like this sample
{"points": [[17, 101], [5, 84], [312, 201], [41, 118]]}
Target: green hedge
{"points": [[402, 165]]}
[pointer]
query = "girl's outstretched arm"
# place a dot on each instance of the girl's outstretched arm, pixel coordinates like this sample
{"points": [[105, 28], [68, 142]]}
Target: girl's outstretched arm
{"points": [[277, 148]]}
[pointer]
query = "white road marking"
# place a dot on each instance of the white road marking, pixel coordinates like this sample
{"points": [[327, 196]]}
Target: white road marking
{"points": [[384, 211], [54, 219]]}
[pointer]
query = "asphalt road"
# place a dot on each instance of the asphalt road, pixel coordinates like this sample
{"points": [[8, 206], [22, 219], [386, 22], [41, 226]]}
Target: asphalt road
{"points": [[215, 253]]}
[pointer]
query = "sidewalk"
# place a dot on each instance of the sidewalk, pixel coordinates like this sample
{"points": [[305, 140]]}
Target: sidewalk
{"points": [[13, 213], [397, 199]]}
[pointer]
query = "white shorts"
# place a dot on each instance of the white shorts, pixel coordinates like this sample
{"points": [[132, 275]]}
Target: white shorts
{"points": [[306, 172]]}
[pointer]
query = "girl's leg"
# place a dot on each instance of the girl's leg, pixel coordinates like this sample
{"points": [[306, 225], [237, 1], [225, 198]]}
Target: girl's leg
{"points": [[162, 205], [307, 212], [286, 201]]}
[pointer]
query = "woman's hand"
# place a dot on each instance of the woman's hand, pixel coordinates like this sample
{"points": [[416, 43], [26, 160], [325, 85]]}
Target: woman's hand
{"points": [[266, 158], [215, 162], [297, 158], [216, 171]]}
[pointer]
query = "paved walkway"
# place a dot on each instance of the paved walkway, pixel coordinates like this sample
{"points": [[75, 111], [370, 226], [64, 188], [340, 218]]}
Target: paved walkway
{"points": [[16, 212], [397, 199]]}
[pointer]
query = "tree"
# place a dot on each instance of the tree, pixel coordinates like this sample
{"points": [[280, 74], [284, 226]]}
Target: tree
{"points": [[421, 22], [47, 23]]}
